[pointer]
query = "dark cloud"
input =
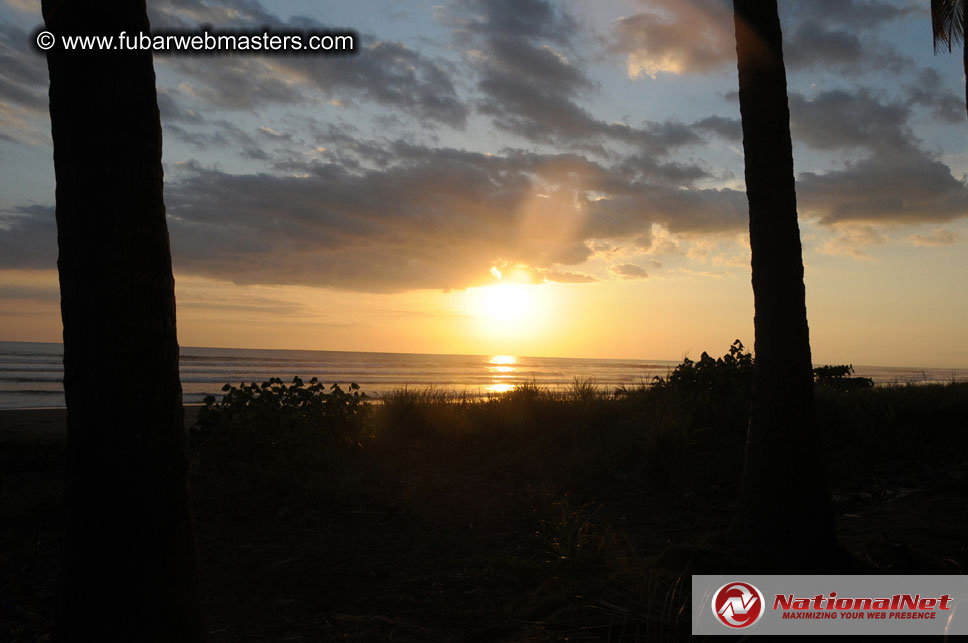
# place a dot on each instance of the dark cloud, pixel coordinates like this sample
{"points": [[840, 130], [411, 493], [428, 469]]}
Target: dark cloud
{"points": [[911, 188], [853, 14], [231, 82], [172, 111], [930, 91], [336, 207], [631, 212], [383, 72], [730, 129], [220, 136], [23, 71], [431, 218], [28, 237], [528, 81], [810, 44], [840, 119], [23, 89], [897, 182], [531, 19], [532, 82], [827, 35], [672, 173], [813, 45]]}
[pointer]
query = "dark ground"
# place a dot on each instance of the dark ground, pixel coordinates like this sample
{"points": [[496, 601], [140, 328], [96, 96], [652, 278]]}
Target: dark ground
{"points": [[442, 537]]}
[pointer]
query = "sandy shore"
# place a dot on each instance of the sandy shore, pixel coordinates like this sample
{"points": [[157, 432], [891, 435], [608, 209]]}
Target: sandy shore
{"points": [[51, 422]]}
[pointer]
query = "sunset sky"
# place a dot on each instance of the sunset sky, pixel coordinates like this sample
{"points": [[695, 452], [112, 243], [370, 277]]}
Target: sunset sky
{"points": [[525, 177]]}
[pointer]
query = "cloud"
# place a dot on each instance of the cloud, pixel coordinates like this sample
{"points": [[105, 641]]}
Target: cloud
{"points": [[907, 189], [426, 218], [438, 222], [23, 72], [189, 14], [336, 205], [813, 45], [856, 15], [850, 240], [172, 111], [25, 292], [698, 37], [384, 72], [561, 277], [23, 89], [28, 237], [25, 6], [527, 80], [841, 119], [730, 129], [940, 237], [629, 271], [676, 37], [531, 80], [930, 91], [898, 182], [516, 18]]}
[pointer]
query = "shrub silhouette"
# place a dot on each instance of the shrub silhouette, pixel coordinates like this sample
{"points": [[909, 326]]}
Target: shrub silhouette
{"points": [[277, 442], [839, 377], [732, 371]]}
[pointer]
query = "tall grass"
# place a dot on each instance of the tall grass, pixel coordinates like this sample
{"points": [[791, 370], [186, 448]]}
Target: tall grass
{"points": [[687, 427]]}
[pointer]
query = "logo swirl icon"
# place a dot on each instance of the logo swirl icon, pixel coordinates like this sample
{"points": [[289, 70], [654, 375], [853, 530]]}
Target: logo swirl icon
{"points": [[738, 605]]}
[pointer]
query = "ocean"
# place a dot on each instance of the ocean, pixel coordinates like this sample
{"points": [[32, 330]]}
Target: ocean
{"points": [[31, 373]]}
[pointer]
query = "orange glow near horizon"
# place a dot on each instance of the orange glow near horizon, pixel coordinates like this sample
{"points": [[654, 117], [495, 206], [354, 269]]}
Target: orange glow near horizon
{"points": [[664, 317]]}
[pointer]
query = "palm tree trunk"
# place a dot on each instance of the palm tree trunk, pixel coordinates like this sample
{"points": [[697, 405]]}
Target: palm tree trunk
{"points": [[784, 515], [129, 569]]}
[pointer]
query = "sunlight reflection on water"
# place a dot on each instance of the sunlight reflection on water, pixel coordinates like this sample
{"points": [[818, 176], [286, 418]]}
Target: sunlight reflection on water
{"points": [[501, 368], [500, 388]]}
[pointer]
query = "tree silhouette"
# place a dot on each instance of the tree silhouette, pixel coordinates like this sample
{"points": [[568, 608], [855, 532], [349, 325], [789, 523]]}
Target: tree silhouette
{"points": [[129, 569], [949, 22], [784, 515]]}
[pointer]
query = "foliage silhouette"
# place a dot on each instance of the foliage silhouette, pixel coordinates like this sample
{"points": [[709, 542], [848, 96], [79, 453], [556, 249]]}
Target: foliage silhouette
{"points": [[949, 23], [277, 444], [840, 377]]}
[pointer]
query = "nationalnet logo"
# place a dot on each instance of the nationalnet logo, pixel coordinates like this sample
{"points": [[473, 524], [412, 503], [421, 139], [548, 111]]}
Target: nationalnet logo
{"points": [[895, 607], [738, 605], [835, 604]]}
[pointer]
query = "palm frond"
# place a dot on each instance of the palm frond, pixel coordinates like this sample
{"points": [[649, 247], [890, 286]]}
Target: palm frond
{"points": [[948, 20]]}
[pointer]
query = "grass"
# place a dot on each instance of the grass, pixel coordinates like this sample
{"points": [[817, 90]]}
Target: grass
{"points": [[530, 515]]}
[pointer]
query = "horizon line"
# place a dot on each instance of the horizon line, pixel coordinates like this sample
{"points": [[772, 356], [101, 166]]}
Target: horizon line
{"points": [[612, 359]]}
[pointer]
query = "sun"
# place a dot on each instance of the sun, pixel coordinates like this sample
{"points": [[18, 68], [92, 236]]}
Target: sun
{"points": [[506, 303], [507, 316]]}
